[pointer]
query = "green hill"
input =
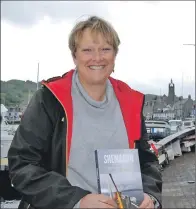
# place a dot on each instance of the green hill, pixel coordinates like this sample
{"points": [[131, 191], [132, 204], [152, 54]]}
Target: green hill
{"points": [[17, 92]]}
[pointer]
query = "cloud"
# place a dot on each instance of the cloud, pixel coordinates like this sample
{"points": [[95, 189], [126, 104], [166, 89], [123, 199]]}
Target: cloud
{"points": [[27, 13], [151, 50]]}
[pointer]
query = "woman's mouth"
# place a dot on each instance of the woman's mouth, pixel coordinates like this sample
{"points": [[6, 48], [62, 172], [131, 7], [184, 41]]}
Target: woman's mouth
{"points": [[97, 67]]}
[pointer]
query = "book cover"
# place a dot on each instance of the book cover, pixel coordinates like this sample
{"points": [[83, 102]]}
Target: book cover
{"points": [[119, 176]]}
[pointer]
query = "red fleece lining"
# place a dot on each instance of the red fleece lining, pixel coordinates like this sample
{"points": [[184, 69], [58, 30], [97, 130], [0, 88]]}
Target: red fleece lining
{"points": [[131, 106]]}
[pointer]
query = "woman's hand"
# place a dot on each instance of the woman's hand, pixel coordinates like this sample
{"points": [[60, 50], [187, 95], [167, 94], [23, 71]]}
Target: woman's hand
{"points": [[147, 202], [97, 201]]}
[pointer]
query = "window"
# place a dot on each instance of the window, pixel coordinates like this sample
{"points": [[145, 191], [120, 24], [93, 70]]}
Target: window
{"points": [[175, 123], [187, 123]]}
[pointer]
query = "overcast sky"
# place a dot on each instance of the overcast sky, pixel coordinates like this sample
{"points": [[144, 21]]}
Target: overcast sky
{"points": [[152, 36]]}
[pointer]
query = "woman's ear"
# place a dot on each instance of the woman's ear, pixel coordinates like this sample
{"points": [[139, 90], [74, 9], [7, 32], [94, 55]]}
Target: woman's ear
{"points": [[74, 59], [113, 68]]}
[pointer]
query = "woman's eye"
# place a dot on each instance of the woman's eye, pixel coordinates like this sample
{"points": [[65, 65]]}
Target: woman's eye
{"points": [[86, 50], [106, 49]]}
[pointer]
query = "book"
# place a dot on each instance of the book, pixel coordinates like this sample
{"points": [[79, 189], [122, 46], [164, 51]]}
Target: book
{"points": [[119, 176]]}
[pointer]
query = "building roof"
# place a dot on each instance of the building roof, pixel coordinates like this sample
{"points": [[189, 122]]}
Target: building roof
{"points": [[180, 102], [159, 105]]}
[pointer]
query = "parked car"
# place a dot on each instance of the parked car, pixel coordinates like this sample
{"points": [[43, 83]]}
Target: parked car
{"points": [[157, 130], [188, 124], [175, 125]]}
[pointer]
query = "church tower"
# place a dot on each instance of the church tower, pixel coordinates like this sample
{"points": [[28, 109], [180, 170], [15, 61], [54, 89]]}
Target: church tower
{"points": [[171, 93]]}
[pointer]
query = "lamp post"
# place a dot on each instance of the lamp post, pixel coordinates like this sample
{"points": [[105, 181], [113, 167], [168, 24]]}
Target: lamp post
{"points": [[38, 76]]}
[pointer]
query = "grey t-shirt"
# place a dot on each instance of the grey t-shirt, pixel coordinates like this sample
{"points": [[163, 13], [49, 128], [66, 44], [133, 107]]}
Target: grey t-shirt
{"points": [[96, 125]]}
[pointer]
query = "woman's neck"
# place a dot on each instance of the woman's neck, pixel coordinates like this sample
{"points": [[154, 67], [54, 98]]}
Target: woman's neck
{"points": [[97, 92]]}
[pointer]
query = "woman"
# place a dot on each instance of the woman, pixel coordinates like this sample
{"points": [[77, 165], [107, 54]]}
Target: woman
{"points": [[51, 158]]}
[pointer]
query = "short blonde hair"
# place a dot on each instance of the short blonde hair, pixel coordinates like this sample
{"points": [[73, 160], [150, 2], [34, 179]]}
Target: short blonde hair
{"points": [[96, 25]]}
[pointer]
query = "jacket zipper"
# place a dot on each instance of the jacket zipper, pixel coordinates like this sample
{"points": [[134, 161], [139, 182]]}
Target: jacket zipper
{"points": [[66, 140]]}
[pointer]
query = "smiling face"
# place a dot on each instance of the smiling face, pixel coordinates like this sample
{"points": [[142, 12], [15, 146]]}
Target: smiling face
{"points": [[94, 58]]}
